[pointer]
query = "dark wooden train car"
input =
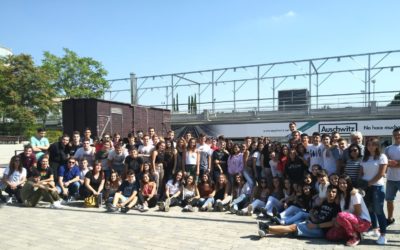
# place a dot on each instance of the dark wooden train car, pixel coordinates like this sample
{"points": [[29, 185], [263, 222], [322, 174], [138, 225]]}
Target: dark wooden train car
{"points": [[114, 117]]}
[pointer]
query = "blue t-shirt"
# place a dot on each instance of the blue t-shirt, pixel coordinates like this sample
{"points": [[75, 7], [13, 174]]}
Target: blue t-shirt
{"points": [[68, 174]]}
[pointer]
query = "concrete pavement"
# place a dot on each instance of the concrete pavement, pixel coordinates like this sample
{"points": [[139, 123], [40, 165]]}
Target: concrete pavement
{"points": [[75, 227]]}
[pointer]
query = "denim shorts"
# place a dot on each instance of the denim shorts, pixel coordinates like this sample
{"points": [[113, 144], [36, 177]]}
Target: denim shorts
{"points": [[392, 187], [304, 231]]}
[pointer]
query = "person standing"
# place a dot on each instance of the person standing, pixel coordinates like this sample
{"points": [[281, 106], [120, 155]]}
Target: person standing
{"points": [[40, 144], [393, 174], [373, 169]]}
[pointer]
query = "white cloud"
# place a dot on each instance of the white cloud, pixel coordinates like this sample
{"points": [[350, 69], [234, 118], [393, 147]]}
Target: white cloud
{"points": [[285, 16]]}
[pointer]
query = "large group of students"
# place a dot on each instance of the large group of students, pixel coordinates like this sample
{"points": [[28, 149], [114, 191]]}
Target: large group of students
{"points": [[313, 186]]}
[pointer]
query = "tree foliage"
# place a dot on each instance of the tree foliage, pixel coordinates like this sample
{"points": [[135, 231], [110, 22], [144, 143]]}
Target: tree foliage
{"points": [[74, 76], [25, 91], [395, 101]]}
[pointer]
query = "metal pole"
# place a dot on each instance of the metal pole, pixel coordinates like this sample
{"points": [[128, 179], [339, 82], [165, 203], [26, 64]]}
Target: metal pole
{"points": [[273, 94], [134, 98], [172, 92], [369, 79], [212, 91], [199, 99], [258, 88], [166, 97], [234, 95], [317, 90], [309, 86]]}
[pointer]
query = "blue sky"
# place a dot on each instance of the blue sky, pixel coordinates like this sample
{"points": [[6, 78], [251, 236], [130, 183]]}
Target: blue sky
{"points": [[156, 37]]}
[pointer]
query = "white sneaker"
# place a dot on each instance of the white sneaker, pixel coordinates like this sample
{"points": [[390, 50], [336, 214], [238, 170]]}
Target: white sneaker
{"points": [[372, 233], [57, 204], [382, 240], [10, 200]]}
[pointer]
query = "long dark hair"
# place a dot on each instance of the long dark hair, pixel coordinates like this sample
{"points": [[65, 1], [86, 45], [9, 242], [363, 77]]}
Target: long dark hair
{"points": [[355, 145], [174, 178], [348, 190], [15, 160], [367, 154]]}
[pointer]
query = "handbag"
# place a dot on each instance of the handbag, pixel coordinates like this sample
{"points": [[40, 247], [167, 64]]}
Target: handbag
{"points": [[90, 201]]}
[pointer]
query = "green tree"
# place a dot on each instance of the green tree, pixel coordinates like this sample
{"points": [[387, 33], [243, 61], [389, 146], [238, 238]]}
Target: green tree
{"points": [[25, 92], [395, 101], [74, 76]]}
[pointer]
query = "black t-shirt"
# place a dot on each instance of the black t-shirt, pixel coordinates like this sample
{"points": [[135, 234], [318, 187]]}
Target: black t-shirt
{"points": [[220, 155], [134, 163], [295, 170], [94, 183], [127, 188], [326, 212], [45, 173]]}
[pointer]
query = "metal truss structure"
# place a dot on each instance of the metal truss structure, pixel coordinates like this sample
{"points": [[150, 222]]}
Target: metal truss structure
{"points": [[337, 81]]}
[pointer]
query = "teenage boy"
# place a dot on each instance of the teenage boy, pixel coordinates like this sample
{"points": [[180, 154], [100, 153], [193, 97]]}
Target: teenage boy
{"points": [[315, 150], [126, 196]]}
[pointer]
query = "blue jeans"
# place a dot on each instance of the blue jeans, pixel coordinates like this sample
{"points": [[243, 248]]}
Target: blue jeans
{"points": [[240, 201], [203, 202], [376, 208], [73, 189]]}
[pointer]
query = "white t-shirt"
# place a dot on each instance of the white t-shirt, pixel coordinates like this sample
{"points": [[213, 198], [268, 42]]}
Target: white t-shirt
{"points": [[274, 168], [257, 155], [393, 153], [173, 189], [145, 150], [117, 159], [315, 155], [329, 161], [16, 176], [371, 168], [354, 200]]}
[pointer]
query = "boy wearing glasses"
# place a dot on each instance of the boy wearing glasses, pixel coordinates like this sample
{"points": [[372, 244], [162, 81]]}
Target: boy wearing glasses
{"points": [[68, 180]]}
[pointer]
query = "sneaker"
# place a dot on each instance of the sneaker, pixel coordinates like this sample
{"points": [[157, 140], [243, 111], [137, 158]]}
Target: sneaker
{"points": [[250, 210], [373, 233], [382, 240], [352, 242], [233, 210], [161, 206], [167, 203], [262, 233], [57, 204], [276, 220], [144, 209], [3, 199], [190, 208], [185, 208], [220, 207], [390, 222], [240, 212], [262, 225], [9, 200], [112, 208], [203, 209], [274, 212], [124, 209], [209, 207]]}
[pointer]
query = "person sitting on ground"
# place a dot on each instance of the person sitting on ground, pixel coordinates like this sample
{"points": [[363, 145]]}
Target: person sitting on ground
{"points": [[190, 194], [147, 194], [298, 209], [94, 183], [46, 172], [222, 193], [258, 199], [317, 225], [111, 186], [172, 192], [274, 203], [28, 159], [241, 192], [126, 196], [207, 192], [323, 184], [35, 190], [14, 177], [68, 180], [354, 218], [83, 170]]}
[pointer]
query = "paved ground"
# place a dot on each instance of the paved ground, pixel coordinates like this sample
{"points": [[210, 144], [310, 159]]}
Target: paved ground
{"points": [[74, 227]]}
